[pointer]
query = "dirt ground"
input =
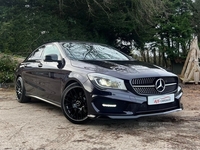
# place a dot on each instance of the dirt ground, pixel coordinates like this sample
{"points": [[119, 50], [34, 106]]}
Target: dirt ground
{"points": [[41, 126]]}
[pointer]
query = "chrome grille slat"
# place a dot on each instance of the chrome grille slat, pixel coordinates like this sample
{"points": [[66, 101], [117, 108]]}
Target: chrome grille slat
{"points": [[146, 86]]}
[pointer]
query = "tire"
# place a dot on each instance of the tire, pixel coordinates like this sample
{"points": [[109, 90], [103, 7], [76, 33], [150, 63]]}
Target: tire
{"points": [[20, 91], [74, 104]]}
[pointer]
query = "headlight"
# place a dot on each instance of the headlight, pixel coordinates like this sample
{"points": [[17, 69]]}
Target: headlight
{"points": [[105, 81]]}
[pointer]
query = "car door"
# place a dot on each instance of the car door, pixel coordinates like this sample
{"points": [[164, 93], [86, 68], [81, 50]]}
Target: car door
{"points": [[30, 70], [50, 76]]}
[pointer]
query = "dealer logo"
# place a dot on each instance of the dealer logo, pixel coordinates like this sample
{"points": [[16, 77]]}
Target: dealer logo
{"points": [[160, 85]]}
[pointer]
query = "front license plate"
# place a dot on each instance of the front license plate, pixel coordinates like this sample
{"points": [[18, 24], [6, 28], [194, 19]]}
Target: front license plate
{"points": [[160, 99]]}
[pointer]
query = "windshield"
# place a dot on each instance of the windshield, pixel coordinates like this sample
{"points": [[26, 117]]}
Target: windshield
{"points": [[89, 51]]}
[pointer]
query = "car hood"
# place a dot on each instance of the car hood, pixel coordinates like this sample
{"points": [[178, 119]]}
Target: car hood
{"points": [[122, 69]]}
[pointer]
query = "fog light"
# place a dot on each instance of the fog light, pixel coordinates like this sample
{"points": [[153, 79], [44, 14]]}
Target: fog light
{"points": [[91, 116], [109, 105]]}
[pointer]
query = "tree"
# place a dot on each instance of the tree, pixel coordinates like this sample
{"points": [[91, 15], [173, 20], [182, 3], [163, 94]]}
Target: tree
{"points": [[120, 23], [196, 20], [112, 21], [174, 29], [24, 26]]}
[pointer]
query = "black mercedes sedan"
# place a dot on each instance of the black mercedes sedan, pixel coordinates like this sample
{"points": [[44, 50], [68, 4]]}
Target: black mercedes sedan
{"points": [[89, 80]]}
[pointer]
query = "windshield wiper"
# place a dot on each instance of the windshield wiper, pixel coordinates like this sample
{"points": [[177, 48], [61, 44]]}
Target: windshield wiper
{"points": [[90, 49]]}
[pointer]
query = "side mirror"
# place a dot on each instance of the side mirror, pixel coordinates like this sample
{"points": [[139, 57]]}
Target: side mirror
{"points": [[54, 58], [51, 58]]}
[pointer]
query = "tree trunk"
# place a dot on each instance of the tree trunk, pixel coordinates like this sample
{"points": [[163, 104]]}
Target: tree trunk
{"points": [[61, 6], [143, 55], [154, 56], [159, 58], [148, 55], [164, 60]]}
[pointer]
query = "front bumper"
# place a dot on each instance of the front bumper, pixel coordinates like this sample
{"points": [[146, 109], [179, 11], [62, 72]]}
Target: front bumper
{"points": [[143, 115], [117, 104]]}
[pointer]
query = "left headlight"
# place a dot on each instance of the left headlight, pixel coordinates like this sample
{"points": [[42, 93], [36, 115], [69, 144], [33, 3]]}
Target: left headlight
{"points": [[105, 81]]}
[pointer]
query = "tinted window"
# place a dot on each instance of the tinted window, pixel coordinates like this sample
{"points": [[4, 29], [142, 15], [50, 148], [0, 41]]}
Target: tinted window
{"points": [[83, 51], [36, 55], [51, 49]]}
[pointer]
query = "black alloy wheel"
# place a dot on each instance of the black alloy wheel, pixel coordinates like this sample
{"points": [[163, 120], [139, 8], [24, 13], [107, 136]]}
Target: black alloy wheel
{"points": [[20, 91], [74, 104]]}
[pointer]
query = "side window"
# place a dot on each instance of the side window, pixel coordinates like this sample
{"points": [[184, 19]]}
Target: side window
{"points": [[36, 55], [51, 49]]}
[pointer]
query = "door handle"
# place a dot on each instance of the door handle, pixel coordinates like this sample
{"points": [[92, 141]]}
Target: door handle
{"points": [[39, 65]]}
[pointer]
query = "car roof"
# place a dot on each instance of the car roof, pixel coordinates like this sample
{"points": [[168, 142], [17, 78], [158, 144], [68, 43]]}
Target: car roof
{"points": [[76, 41]]}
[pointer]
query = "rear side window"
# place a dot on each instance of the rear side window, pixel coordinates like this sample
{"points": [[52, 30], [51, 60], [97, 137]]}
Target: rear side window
{"points": [[36, 55]]}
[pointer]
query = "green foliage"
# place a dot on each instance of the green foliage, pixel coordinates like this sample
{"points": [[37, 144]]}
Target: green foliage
{"points": [[112, 21], [31, 27], [174, 29], [7, 67], [169, 24]]}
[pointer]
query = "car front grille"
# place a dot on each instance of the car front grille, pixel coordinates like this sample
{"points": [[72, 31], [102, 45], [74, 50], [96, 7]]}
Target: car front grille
{"points": [[147, 86]]}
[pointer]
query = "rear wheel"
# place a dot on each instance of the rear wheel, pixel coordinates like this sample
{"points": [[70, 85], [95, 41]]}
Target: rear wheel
{"points": [[74, 104], [20, 91]]}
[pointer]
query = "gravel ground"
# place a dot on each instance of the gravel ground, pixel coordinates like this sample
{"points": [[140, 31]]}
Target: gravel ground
{"points": [[41, 126]]}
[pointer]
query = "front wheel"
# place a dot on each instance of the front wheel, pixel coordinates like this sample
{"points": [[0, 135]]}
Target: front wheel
{"points": [[74, 104]]}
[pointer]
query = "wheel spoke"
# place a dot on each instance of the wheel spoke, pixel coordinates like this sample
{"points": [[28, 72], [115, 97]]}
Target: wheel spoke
{"points": [[18, 89], [74, 92], [18, 84], [70, 94]]}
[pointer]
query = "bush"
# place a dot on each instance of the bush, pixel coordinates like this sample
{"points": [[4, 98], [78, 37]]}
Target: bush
{"points": [[7, 68]]}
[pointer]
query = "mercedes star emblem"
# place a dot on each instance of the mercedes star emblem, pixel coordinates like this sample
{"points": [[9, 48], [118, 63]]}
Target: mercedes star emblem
{"points": [[160, 85]]}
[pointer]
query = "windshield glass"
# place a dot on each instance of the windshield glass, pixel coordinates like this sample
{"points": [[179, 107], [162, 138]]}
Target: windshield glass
{"points": [[89, 51]]}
